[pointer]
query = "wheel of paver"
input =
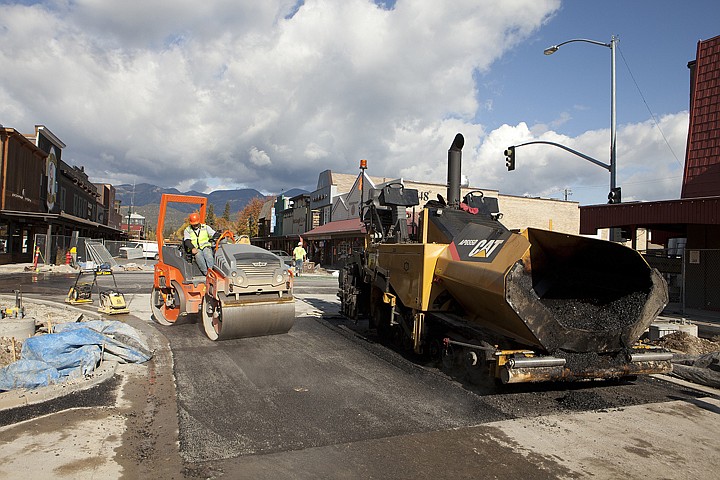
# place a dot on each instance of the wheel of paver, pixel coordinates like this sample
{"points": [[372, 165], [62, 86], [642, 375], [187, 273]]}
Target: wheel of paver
{"points": [[164, 314]]}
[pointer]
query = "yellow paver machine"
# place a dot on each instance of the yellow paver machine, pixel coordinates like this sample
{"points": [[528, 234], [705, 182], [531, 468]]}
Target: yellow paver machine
{"points": [[522, 306]]}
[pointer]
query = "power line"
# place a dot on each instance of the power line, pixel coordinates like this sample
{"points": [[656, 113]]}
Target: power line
{"points": [[652, 115]]}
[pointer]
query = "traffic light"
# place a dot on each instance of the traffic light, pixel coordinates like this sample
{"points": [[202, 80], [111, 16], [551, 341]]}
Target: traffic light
{"points": [[510, 158], [614, 195]]}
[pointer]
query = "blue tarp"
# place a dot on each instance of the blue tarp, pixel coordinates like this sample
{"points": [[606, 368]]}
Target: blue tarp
{"points": [[74, 350]]}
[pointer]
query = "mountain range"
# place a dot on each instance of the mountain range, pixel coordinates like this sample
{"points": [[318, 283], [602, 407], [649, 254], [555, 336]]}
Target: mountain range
{"points": [[143, 194], [144, 198]]}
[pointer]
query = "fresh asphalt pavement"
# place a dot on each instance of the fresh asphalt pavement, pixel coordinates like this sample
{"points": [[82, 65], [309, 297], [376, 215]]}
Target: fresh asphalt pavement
{"points": [[325, 401]]}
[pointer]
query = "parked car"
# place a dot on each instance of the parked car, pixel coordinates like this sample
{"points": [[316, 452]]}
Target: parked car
{"points": [[284, 256], [140, 250]]}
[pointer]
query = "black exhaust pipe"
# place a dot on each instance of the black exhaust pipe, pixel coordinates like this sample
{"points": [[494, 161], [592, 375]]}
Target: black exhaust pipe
{"points": [[454, 171]]}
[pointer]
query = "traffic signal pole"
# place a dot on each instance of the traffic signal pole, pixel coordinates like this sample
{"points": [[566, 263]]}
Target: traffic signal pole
{"points": [[574, 152], [614, 195]]}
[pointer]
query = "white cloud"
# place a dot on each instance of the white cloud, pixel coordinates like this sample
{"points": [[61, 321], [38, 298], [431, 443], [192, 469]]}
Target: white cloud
{"points": [[647, 167], [233, 93], [259, 157]]}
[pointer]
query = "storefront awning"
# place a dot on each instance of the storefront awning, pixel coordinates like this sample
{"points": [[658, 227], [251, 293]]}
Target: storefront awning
{"points": [[337, 228], [58, 218]]}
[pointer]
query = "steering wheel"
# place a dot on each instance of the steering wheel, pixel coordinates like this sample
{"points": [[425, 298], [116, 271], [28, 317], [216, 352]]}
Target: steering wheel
{"points": [[226, 234], [474, 192]]}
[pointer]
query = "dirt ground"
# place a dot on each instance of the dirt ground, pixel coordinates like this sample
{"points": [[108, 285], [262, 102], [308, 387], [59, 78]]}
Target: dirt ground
{"points": [[43, 315], [684, 343]]}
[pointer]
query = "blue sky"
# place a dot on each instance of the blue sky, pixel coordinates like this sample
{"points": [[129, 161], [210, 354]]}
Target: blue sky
{"points": [[267, 94], [570, 90], [656, 38]]}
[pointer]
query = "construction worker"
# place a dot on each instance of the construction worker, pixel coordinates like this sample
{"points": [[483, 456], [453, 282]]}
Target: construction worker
{"points": [[198, 240], [300, 255]]}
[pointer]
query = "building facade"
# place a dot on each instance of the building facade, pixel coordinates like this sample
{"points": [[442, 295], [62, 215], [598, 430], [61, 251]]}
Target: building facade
{"points": [[41, 194], [330, 243]]}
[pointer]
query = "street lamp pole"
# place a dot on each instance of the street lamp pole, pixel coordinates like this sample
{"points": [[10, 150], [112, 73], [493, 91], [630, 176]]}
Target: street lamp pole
{"points": [[613, 125]]}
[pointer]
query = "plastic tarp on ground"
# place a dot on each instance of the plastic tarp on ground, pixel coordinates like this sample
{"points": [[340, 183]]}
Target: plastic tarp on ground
{"points": [[73, 351]]}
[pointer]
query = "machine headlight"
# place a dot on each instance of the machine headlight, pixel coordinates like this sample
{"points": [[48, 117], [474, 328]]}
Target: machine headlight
{"points": [[278, 278]]}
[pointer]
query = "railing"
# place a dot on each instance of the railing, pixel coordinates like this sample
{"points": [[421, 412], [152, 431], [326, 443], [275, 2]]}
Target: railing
{"points": [[60, 245]]}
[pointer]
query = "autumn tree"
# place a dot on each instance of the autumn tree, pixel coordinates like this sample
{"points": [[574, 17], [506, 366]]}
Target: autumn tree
{"points": [[248, 218], [180, 232]]}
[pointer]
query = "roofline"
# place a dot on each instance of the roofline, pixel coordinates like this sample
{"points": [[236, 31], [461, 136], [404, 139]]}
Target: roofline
{"points": [[685, 211], [58, 143]]}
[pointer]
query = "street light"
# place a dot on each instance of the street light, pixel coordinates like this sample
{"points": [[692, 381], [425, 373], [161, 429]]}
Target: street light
{"points": [[611, 46]]}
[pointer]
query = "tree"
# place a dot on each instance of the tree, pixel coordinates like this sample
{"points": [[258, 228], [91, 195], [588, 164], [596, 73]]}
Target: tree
{"points": [[210, 219], [180, 232], [226, 213], [248, 218], [221, 225]]}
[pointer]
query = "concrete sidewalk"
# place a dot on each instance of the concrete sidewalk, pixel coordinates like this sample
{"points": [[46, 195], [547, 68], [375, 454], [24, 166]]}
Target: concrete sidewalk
{"points": [[708, 322], [118, 423]]}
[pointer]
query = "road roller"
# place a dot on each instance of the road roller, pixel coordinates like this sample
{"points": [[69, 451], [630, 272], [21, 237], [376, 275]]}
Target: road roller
{"points": [[247, 293], [516, 306]]}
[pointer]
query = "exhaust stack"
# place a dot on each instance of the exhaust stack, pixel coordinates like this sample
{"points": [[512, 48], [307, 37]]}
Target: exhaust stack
{"points": [[454, 171]]}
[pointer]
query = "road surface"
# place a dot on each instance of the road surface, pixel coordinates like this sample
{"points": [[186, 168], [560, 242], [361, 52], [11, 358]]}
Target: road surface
{"points": [[326, 401]]}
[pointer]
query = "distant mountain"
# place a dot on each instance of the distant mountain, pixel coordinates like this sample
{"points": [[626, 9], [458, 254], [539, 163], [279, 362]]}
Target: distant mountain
{"points": [[145, 194], [174, 218]]}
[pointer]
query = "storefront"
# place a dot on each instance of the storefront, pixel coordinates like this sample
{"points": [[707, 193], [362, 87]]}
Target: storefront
{"points": [[330, 244]]}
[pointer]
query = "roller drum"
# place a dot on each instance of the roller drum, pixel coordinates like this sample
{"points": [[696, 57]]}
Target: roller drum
{"points": [[248, 317]]}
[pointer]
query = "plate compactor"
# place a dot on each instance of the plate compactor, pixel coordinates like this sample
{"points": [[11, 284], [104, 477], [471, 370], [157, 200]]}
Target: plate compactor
{"points": [[248, 292], [112, 302]]}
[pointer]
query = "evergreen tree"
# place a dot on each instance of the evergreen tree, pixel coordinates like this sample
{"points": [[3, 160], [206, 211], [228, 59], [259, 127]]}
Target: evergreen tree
{"points": [[210, 217], [226, 213]]}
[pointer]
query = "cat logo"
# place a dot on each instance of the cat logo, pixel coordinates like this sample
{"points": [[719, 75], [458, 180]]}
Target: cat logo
{"points": [[484, 248], [478, 243]]}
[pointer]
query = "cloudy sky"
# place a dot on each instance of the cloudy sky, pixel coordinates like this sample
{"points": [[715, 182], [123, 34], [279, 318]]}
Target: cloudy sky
{"points": [[268, 93]]}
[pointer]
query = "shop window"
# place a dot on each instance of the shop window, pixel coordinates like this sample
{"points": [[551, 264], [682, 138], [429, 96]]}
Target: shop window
{"points": [[3, 238]]}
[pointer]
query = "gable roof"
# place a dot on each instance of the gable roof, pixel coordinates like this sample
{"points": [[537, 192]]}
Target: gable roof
{"points": [[701, 177], [343, 181]]}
